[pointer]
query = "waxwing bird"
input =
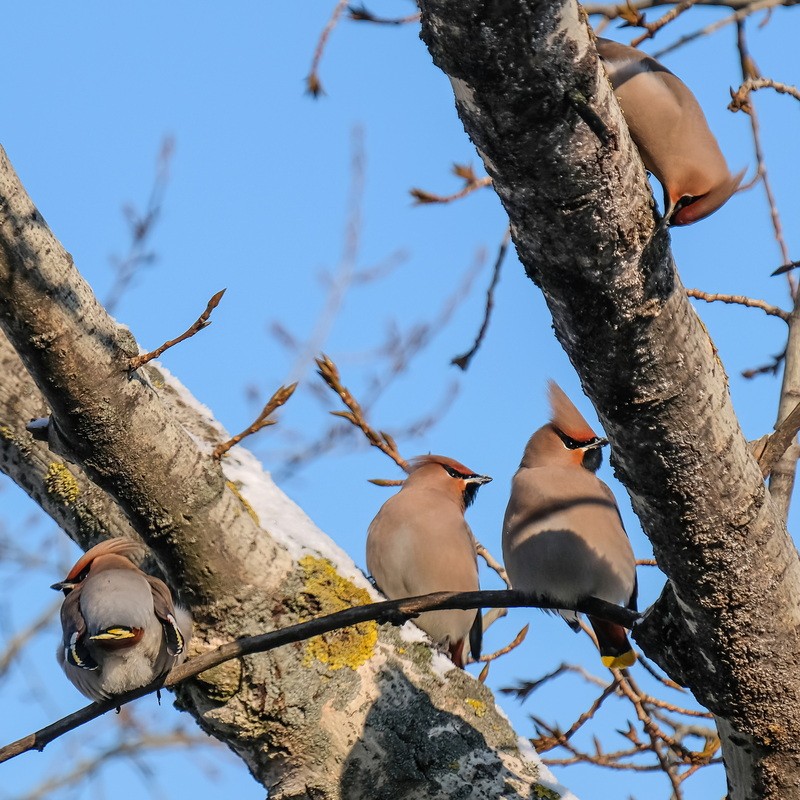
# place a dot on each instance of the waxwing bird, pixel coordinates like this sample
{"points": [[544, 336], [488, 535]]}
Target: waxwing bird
{"points": [[419, 543], [562, 534], [121, 629], [671, 133]]}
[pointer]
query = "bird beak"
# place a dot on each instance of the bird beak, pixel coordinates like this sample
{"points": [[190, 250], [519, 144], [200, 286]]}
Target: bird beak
{"points": [[598, 442], [63, 586], [479, 479]]}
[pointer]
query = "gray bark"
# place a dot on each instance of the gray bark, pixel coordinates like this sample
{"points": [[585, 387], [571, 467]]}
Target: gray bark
{"points": [[540, 110], [345, 715]]}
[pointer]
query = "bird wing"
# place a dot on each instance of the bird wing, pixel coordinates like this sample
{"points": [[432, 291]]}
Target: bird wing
{"points": [[165, 611]]}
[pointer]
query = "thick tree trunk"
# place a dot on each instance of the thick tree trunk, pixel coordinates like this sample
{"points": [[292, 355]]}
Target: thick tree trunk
{"points": [[351, 714], [540, 110]]}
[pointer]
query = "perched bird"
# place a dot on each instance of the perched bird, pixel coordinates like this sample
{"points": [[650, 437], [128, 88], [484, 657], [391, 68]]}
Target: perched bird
{"points": [[671, 133], [562, 534], [121, 629], [419, 543]]}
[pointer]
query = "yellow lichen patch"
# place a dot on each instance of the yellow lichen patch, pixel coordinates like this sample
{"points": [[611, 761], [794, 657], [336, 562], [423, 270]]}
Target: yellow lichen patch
{"points": [[544, 793], [330, 592], [61, 483], [247, 507], [6, 433], [478, 706]]}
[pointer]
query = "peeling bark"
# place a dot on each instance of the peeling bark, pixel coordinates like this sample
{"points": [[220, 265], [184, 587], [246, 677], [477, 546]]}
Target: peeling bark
{"points": [[356, 713], [540, 110]]}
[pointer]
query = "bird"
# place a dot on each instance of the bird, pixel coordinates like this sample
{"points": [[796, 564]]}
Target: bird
{"points": [[121, 628], [563, 536], [671, 133], [420, 542]]}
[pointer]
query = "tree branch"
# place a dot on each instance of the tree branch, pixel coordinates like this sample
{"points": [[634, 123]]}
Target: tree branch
{"points": [[522, 74], [395, 612]]}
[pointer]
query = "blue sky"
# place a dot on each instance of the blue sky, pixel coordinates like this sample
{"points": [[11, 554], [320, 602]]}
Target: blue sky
{"points": [[258, 202]]}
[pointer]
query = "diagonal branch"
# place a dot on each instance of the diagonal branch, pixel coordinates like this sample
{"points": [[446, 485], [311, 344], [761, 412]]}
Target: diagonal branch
{"points": [[395, 612]]}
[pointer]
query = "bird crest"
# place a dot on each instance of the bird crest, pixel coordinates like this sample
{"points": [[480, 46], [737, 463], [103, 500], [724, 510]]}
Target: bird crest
{"points": [[447, 463], [566, 417], [119, 546]]}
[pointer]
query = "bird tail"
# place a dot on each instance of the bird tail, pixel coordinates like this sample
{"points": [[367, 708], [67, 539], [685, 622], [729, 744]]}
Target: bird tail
{"points": [[615, 649], [476, 636]]}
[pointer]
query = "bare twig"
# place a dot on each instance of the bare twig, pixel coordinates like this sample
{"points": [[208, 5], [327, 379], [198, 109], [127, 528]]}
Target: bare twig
{"points": [[329, 372], [766, 369], [390, 611], [464, 360], [654, 27], [744, 11], [785, 268], [543, 744], [780, 441], [362, 14], [18, 641], [141, 227], [202, 321], [740, 99], [515, 642], [262, 421], [313, 82], [739, 299], [750, 72], [471, 183], [611, 11]]}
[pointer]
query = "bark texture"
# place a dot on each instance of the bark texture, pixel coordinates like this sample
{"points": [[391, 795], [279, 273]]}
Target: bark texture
{"points": [[345, 715], [540, 110]]}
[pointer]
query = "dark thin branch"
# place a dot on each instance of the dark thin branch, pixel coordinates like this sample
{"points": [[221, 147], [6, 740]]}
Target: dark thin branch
{"points": [[201, 322], [395, 612], [463, 360], [363, 14]]}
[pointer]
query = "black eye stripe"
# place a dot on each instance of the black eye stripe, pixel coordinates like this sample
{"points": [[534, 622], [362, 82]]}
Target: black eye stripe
{"points": [[575, 444], [454, 473]]}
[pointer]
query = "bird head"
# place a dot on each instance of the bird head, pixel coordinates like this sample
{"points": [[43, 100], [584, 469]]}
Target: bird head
{"points": [[448, 474], [567, 439], [691, 208], [117, 553]]}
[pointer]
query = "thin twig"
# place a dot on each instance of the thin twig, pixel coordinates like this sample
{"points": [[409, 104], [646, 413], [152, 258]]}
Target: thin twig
{"points": [[543, 745], [141, 226], [765, 369], [313, 82], [390, 611], [740, 99], [739, 299], [744, 12], [262, 421], [654, 27], [202, 321], [362, 14], [329, 372], [471, 183], [785, 268], [779, 441], [750, 71], [464, 360], [515, 642]]}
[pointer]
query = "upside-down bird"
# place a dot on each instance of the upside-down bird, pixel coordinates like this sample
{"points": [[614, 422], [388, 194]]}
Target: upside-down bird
{"points": [[671, 133], [121, 629], [419, 543], [562, 534]]}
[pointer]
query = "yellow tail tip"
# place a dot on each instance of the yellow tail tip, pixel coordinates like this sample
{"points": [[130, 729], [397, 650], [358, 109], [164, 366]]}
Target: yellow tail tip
{"points": [[114, 633], [619, 662]]}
